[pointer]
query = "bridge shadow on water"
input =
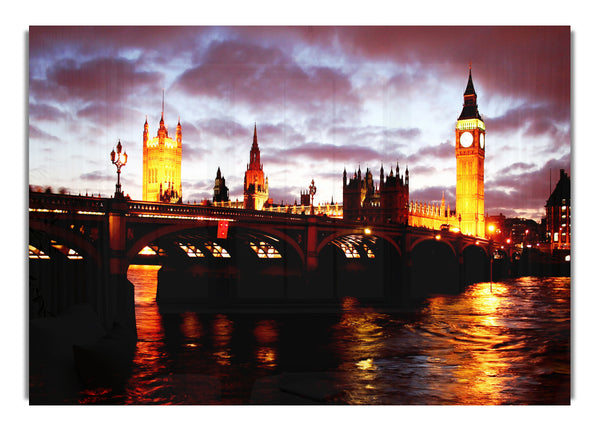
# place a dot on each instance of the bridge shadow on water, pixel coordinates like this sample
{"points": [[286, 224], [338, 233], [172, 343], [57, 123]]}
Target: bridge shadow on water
{"points": [[380, 278]]}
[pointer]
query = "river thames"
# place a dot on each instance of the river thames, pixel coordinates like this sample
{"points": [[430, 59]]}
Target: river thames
{"points": [[505, 343]]}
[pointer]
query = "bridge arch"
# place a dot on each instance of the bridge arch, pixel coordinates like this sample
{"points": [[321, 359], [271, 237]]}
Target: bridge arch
{"points": [[354, 264], [168, 230], [434, 268], [475, 265], [441, 239], [358, 233], [63, 279], [67, 237]]}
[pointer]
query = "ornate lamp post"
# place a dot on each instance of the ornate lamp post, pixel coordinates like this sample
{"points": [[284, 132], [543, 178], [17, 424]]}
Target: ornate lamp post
{"points": [[119, 160], [312, 190]]}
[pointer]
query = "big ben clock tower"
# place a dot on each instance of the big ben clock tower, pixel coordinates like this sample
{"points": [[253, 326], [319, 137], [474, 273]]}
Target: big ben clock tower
{"points": [[470, 155]]}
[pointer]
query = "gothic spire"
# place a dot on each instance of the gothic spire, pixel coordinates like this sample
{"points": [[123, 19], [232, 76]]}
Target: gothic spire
{"points": [[470, 90], [470, 109], [255, 153]]}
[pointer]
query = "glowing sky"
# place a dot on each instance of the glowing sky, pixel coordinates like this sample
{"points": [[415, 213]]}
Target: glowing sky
{"points": [[323, 99]]}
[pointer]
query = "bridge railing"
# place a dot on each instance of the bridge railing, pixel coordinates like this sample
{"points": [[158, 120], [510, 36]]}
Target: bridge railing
{"points": [[193, 211], [60, 202], [40, 201]]}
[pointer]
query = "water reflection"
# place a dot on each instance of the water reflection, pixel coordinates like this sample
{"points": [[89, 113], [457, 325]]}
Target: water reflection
{"points": [[505, 345], [150, 359], [266, 334], [192, 329], [478, 347], [360, 339], [222, 328]]}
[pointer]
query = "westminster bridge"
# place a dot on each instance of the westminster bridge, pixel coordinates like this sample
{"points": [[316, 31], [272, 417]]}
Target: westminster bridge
{"points": [[81, 247]]}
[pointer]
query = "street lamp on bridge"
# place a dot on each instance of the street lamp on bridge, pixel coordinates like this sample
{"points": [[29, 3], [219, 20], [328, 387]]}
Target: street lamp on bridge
{"points": [[119, 160], [312, 190]]}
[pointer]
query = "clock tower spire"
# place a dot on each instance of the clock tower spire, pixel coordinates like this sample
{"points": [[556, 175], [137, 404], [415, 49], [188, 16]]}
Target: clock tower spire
{"points": [[470, 156]]}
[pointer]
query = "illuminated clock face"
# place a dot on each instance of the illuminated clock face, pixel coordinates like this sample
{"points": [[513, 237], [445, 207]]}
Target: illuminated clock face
{"points": [[466, 139], [482, 141]]}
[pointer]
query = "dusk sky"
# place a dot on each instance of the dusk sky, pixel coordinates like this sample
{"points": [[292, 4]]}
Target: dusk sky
{"points": [[323, 99]]}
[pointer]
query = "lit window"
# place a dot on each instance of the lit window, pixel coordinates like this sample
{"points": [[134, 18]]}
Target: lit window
{"points": [[147, 251], [369, 252], [36, 253], [191, 250], [69, 252], [265, 250], [349, 250], [216, 249]]}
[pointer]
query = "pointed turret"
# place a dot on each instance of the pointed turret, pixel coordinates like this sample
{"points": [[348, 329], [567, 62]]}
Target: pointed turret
{"points": [[145, 135], [470, 90], [178, 132], [470, 109], [254, 153]]}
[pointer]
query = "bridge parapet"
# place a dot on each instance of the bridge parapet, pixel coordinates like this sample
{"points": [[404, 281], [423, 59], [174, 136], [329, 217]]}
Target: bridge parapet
{"points": [[57, 202], [211, 212]]}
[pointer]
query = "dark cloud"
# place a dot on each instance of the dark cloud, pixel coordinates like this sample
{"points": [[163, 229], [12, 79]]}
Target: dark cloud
{"points": [[515, 168], [106, 80], [96, 176], [37, 133], [46, 112], [350, 154], [524, 192], [370, 135], [225, 128], [534, 120], [56, 41], [263, 78], [103, 114], [192, 152], [507, 60], [442, 151]]}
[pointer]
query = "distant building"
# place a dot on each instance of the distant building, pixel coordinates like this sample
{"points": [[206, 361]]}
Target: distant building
{"points": [[162, 164], [256, 186], [515, 231], [558, 214], [387, 203], [221, 192], [305, 197]]}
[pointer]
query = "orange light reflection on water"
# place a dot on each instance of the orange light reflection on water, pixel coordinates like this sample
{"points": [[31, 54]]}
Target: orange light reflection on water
{"points": [[361, 341], [222, 329], [468, 347], [149, 356], [266, 334]]}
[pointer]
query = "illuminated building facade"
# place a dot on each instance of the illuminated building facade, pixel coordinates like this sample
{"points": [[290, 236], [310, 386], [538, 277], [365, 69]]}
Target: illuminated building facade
{"points": [[558, 214], [388, 203], [256, 186], [470, 156], [162, 164]]}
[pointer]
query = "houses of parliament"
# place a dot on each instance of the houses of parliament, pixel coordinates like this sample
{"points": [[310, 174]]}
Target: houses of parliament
{"points": [[363, 198]]}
